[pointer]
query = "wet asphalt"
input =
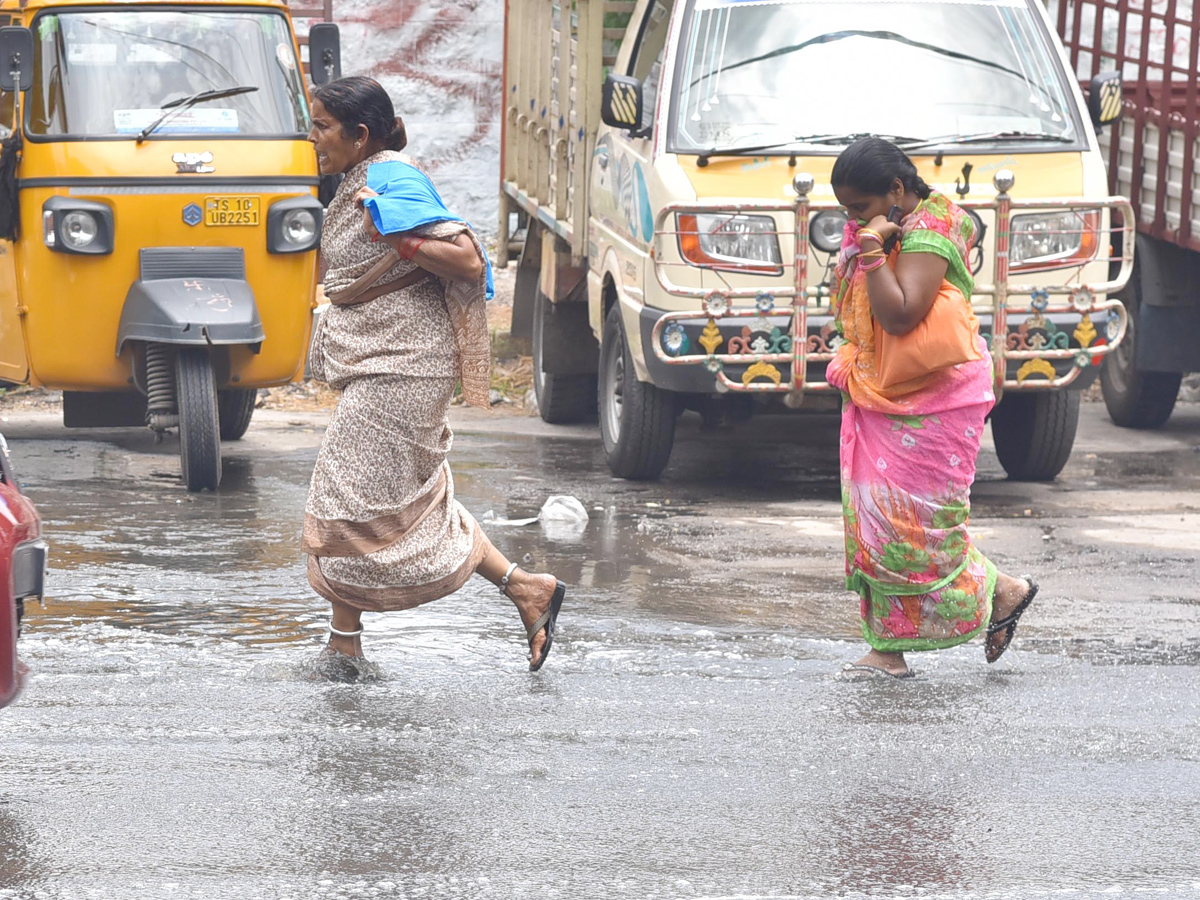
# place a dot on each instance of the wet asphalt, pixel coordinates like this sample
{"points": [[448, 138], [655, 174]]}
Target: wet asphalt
{"points": [[688, 737]]}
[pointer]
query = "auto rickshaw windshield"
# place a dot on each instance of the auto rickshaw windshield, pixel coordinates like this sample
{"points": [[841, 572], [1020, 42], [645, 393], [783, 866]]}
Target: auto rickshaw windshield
{"points": [[109, 74]]}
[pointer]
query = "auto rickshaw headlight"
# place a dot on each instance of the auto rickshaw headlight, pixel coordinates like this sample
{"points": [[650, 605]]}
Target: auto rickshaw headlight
{"points": [[299, 227], [77, 226], [79, 229], [294, 225]]}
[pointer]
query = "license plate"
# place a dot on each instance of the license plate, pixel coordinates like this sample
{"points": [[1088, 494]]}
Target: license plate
{"points": [[232, 210]]}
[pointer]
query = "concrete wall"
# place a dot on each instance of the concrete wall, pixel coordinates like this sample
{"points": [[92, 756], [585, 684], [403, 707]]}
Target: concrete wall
{"points": [[441, 62]]}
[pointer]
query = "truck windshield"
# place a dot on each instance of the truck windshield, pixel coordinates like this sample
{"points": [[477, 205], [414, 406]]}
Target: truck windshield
{"points": [[110, 74], [757, 72]]}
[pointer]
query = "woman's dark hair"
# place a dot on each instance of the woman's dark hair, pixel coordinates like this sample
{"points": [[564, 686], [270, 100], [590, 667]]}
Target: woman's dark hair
{"points": [[359, 100], [871, 165]]}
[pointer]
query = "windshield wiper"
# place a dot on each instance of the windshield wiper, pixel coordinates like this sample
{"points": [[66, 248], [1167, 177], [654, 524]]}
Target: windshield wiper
{"points": [[175, 107], [818, 139], [999, 137]]}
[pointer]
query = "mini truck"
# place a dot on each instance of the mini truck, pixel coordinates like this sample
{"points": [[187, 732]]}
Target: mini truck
{"points": [[159, 211], [665, 190]]}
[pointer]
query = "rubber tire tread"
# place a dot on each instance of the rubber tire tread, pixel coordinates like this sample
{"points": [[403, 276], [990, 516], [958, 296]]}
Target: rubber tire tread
{"points": [[199, 425], [1034, 433], [234, 410], [1148, 398], [562, 399], [648, 416]]}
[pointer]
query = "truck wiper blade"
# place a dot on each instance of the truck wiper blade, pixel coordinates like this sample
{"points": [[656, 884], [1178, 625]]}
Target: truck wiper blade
{"points": [[996, 136], [819, 139], [175, 107]]}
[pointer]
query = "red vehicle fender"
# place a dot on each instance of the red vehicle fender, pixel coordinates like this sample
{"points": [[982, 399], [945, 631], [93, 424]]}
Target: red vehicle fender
{"points": [[22, 567]]}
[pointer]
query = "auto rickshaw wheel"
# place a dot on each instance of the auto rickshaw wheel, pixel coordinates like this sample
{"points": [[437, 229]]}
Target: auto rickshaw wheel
{"points": [[234, 409], [199, 425]]}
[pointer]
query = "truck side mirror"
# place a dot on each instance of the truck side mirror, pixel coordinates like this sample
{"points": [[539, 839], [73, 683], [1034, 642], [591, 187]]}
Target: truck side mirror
{"points": [[16, 58], [621, 102], [1104, 98], [324, 53]]}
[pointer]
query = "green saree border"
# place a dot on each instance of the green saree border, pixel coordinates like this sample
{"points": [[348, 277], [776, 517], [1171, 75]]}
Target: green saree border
{"points": [[922, 240], [907, 589], [916, 645]]}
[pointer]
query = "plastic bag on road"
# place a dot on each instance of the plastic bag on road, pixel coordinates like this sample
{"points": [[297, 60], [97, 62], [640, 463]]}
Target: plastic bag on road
{"points": [[563, 519], [490, 518], [562, 515], [563, 508]]}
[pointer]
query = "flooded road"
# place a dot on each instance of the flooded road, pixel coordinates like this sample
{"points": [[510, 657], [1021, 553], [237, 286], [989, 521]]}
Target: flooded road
{"points": [[688, 737]]}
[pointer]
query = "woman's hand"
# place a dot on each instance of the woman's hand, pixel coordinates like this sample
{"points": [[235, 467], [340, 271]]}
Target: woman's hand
{"points": [[882, 226], [368, 222]]}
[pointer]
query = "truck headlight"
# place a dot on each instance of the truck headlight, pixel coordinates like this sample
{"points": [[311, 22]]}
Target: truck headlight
{"points": [[827, 229], [294, 225], [731, 242], [77, 226], [1053, 240]]}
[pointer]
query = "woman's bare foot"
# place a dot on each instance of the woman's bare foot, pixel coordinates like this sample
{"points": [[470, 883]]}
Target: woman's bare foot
{"points": [[891, 663], [531, 594]]}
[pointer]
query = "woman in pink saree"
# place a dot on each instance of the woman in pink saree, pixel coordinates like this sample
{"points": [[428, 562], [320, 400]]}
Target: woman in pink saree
{"points": [[908, 451]]}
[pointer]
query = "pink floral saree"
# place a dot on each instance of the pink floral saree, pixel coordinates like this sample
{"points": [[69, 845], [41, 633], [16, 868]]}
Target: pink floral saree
{"points": [[908, 462]]}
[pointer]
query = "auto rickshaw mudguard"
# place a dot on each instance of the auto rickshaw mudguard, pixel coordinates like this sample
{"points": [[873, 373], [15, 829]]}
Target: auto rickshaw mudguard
{"points": [[191, 295]]}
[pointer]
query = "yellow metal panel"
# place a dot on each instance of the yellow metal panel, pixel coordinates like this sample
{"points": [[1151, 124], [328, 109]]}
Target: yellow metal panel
{"points": [[74, 302], [33, 6], [13, 364], [770, 178]]}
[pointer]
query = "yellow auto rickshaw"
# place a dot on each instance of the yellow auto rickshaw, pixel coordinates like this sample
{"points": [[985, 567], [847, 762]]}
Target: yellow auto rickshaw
{"points": [[160, 211]]}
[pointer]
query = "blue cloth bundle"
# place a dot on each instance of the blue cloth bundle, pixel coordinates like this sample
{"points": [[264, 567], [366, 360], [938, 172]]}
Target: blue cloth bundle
{"points": [[407, 200]]}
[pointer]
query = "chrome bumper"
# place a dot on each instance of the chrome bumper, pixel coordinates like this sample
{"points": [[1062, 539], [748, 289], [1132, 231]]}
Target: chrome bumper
{"points": [[1041, 336]]}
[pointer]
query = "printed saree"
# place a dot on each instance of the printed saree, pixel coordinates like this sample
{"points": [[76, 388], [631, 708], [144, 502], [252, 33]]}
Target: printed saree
{"points": [[382, 527], [908, 461]]}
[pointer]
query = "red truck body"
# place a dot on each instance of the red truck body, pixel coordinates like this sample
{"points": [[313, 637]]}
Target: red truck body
{"points": [[1153, 44], [1152, 154]]}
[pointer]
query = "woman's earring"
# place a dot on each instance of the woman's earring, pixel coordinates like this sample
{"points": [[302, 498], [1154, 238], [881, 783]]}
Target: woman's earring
{"points": [[357, 144]]}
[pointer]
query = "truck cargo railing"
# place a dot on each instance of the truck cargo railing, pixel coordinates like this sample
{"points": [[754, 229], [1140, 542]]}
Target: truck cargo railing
{"points": [[1037, 343], [1151, 151]]}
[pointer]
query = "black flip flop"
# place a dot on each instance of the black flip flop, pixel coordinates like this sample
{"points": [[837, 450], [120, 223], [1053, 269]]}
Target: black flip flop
{"points": [[546, 620], [1009, 623]]}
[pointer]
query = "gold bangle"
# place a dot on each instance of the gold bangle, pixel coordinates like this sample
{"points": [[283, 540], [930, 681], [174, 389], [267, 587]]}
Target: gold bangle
{"points": [[872, 234], [869, 253]]}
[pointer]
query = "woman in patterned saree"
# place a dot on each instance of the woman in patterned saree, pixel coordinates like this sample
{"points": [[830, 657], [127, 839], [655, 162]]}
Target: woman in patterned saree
{"points": [[908, 450], [382, 529]]}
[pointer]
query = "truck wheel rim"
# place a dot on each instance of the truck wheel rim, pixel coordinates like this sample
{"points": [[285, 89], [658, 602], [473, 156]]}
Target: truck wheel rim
{"points": [[1124, 354], [614, 387]]}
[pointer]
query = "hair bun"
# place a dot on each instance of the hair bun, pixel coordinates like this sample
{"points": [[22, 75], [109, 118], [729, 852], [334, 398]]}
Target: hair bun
{"points": [[397, 138]]}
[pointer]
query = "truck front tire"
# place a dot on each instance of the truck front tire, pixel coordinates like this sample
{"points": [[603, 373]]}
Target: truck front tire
{"points": [[1034, 433], [637, 419], [1136, 399]]}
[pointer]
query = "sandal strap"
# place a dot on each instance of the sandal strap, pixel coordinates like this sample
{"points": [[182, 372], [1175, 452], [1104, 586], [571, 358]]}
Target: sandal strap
{"points": [[340, 633], [1015, 615], [539, 624], [503, 585]]}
